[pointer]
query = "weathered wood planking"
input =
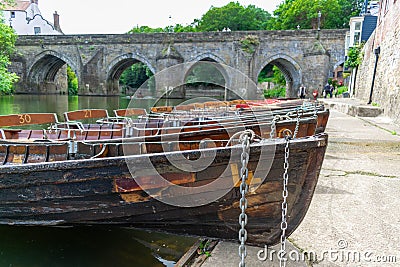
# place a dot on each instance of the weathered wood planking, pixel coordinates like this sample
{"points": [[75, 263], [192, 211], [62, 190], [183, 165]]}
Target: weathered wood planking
{"points": [[86, 192]]}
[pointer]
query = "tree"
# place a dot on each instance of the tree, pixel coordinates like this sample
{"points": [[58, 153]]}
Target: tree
{"points": [[145, 29], [135, 75], [335, 14], [235, 17], [72, 81], [354, 56], [205, 73], [7, 49]]}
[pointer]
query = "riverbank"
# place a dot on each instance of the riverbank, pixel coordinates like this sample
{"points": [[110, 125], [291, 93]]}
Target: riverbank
{"points": [[353, 218]]}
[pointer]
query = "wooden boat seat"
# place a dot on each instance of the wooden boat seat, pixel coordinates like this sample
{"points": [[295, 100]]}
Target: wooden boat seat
{"points": [[85, 114], [27, 119], [104, 122], [20, 153], [22, 120], [162, 109], [188, 107], [130, 112]]}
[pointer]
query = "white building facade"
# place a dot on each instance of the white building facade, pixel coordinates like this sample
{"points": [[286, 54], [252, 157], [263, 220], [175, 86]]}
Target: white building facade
{"points": [[25, 18]]}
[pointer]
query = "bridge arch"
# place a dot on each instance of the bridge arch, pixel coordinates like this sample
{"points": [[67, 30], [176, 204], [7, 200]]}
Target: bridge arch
{"points": [[290, 69], [216, 63], [44, 69], [119, 64]]}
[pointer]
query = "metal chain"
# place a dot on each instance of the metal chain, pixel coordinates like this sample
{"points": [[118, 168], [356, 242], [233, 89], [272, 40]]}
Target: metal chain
{"points": [[315, 110], [296, 130], [273, 127], [244, 172], [285, 193]]}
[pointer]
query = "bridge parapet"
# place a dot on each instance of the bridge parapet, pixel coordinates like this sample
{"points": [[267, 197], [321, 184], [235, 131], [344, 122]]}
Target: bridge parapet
{"points": [[99, 59]]}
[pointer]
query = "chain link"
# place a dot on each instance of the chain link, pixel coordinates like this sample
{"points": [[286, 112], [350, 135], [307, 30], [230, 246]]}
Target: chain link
{"points": [[285, 193], [244, 172], [273, 127], [316, 110], [296, 130]]}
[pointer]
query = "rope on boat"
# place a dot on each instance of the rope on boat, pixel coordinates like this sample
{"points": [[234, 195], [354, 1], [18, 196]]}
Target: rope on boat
{"points": [[241, 135]]}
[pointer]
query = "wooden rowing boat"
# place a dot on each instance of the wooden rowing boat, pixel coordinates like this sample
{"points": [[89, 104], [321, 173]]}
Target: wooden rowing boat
{"points": [[124, 190]]}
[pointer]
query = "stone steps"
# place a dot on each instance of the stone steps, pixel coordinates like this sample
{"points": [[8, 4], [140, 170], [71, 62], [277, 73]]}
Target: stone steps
{"points": [[352, 107]]}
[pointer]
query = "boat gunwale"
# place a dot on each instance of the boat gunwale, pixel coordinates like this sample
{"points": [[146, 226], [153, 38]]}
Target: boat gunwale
{"points": [[298, 143]]}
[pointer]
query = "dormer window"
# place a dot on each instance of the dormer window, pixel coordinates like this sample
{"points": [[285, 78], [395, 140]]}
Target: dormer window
{"points": [[37, 30]]}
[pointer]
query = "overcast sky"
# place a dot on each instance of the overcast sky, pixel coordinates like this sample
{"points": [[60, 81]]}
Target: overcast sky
{"points": [[119, 16]]}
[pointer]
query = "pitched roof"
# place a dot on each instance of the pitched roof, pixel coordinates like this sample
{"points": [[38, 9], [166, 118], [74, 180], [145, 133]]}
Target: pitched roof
{"points": [[19, 6]]}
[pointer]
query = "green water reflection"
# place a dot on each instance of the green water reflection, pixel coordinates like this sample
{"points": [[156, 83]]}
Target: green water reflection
{"points": [[83, 246], [88, 246], [59, 104]]}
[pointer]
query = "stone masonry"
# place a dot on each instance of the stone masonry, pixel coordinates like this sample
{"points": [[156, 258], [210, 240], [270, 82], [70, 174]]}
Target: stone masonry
{"points": [[99, 60], [386, 89]]}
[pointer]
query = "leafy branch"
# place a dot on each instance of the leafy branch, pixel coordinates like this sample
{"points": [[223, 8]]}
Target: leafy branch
{"points": [[249, 43]]}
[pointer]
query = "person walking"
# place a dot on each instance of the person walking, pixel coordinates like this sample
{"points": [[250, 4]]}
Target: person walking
{"points": [[302, 92], [315, 94], [327, 90]]}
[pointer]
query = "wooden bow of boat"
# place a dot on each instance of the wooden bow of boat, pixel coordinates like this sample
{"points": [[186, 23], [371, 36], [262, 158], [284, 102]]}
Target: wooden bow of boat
{"points": [[146, 172], [104, 191]]}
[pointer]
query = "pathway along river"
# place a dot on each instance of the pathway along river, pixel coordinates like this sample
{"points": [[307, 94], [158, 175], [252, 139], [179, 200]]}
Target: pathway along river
{"points": [[82, 246]]}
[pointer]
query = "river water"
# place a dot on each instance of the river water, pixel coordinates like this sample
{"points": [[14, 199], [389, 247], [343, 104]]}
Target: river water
{"points": [[83, 246]]}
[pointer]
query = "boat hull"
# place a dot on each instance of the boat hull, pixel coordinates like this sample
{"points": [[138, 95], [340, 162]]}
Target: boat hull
{"points": [[108, 191]]}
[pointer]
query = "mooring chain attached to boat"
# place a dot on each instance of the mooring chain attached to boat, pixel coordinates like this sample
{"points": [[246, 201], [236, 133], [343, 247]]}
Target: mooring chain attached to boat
{"points": [[296, 130], [273, 126], [315, 110], [282, 253], [245, 138], [252, 135]]}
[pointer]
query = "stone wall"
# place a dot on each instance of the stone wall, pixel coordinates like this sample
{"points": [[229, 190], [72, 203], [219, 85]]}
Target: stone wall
{"points": [[304, 56], [386, 90]]}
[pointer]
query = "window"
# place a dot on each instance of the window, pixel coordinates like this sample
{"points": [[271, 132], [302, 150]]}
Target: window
{"points": [[357, 37], [37, 30], [12, 14], [357, 33]]}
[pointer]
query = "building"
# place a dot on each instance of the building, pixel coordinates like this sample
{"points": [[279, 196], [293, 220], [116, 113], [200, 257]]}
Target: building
{"points": [[361, 28], [378, 79], [25, 18]]}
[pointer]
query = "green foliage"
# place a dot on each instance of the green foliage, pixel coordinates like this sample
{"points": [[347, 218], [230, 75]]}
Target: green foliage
{"points": [[72, 82], [135, 75], [275, 92], [278, 79], [340, 90], [233, 16], [7, 49], [249, 43], [204, 248], [145, 29], [354, 56], [4, 3], [374, 104], [266, 74], [333, 81], [205, 73], [335, 14]]}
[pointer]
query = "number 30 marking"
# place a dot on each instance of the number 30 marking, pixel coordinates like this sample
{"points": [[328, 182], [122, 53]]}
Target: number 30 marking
{"points": [[24, 118]]}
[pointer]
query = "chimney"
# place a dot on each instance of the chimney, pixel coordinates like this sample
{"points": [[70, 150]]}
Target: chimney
{"points": [[56, 21]]}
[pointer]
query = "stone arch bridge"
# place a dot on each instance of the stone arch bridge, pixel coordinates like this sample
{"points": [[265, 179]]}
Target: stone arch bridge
{"points": [[304, 56]]}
